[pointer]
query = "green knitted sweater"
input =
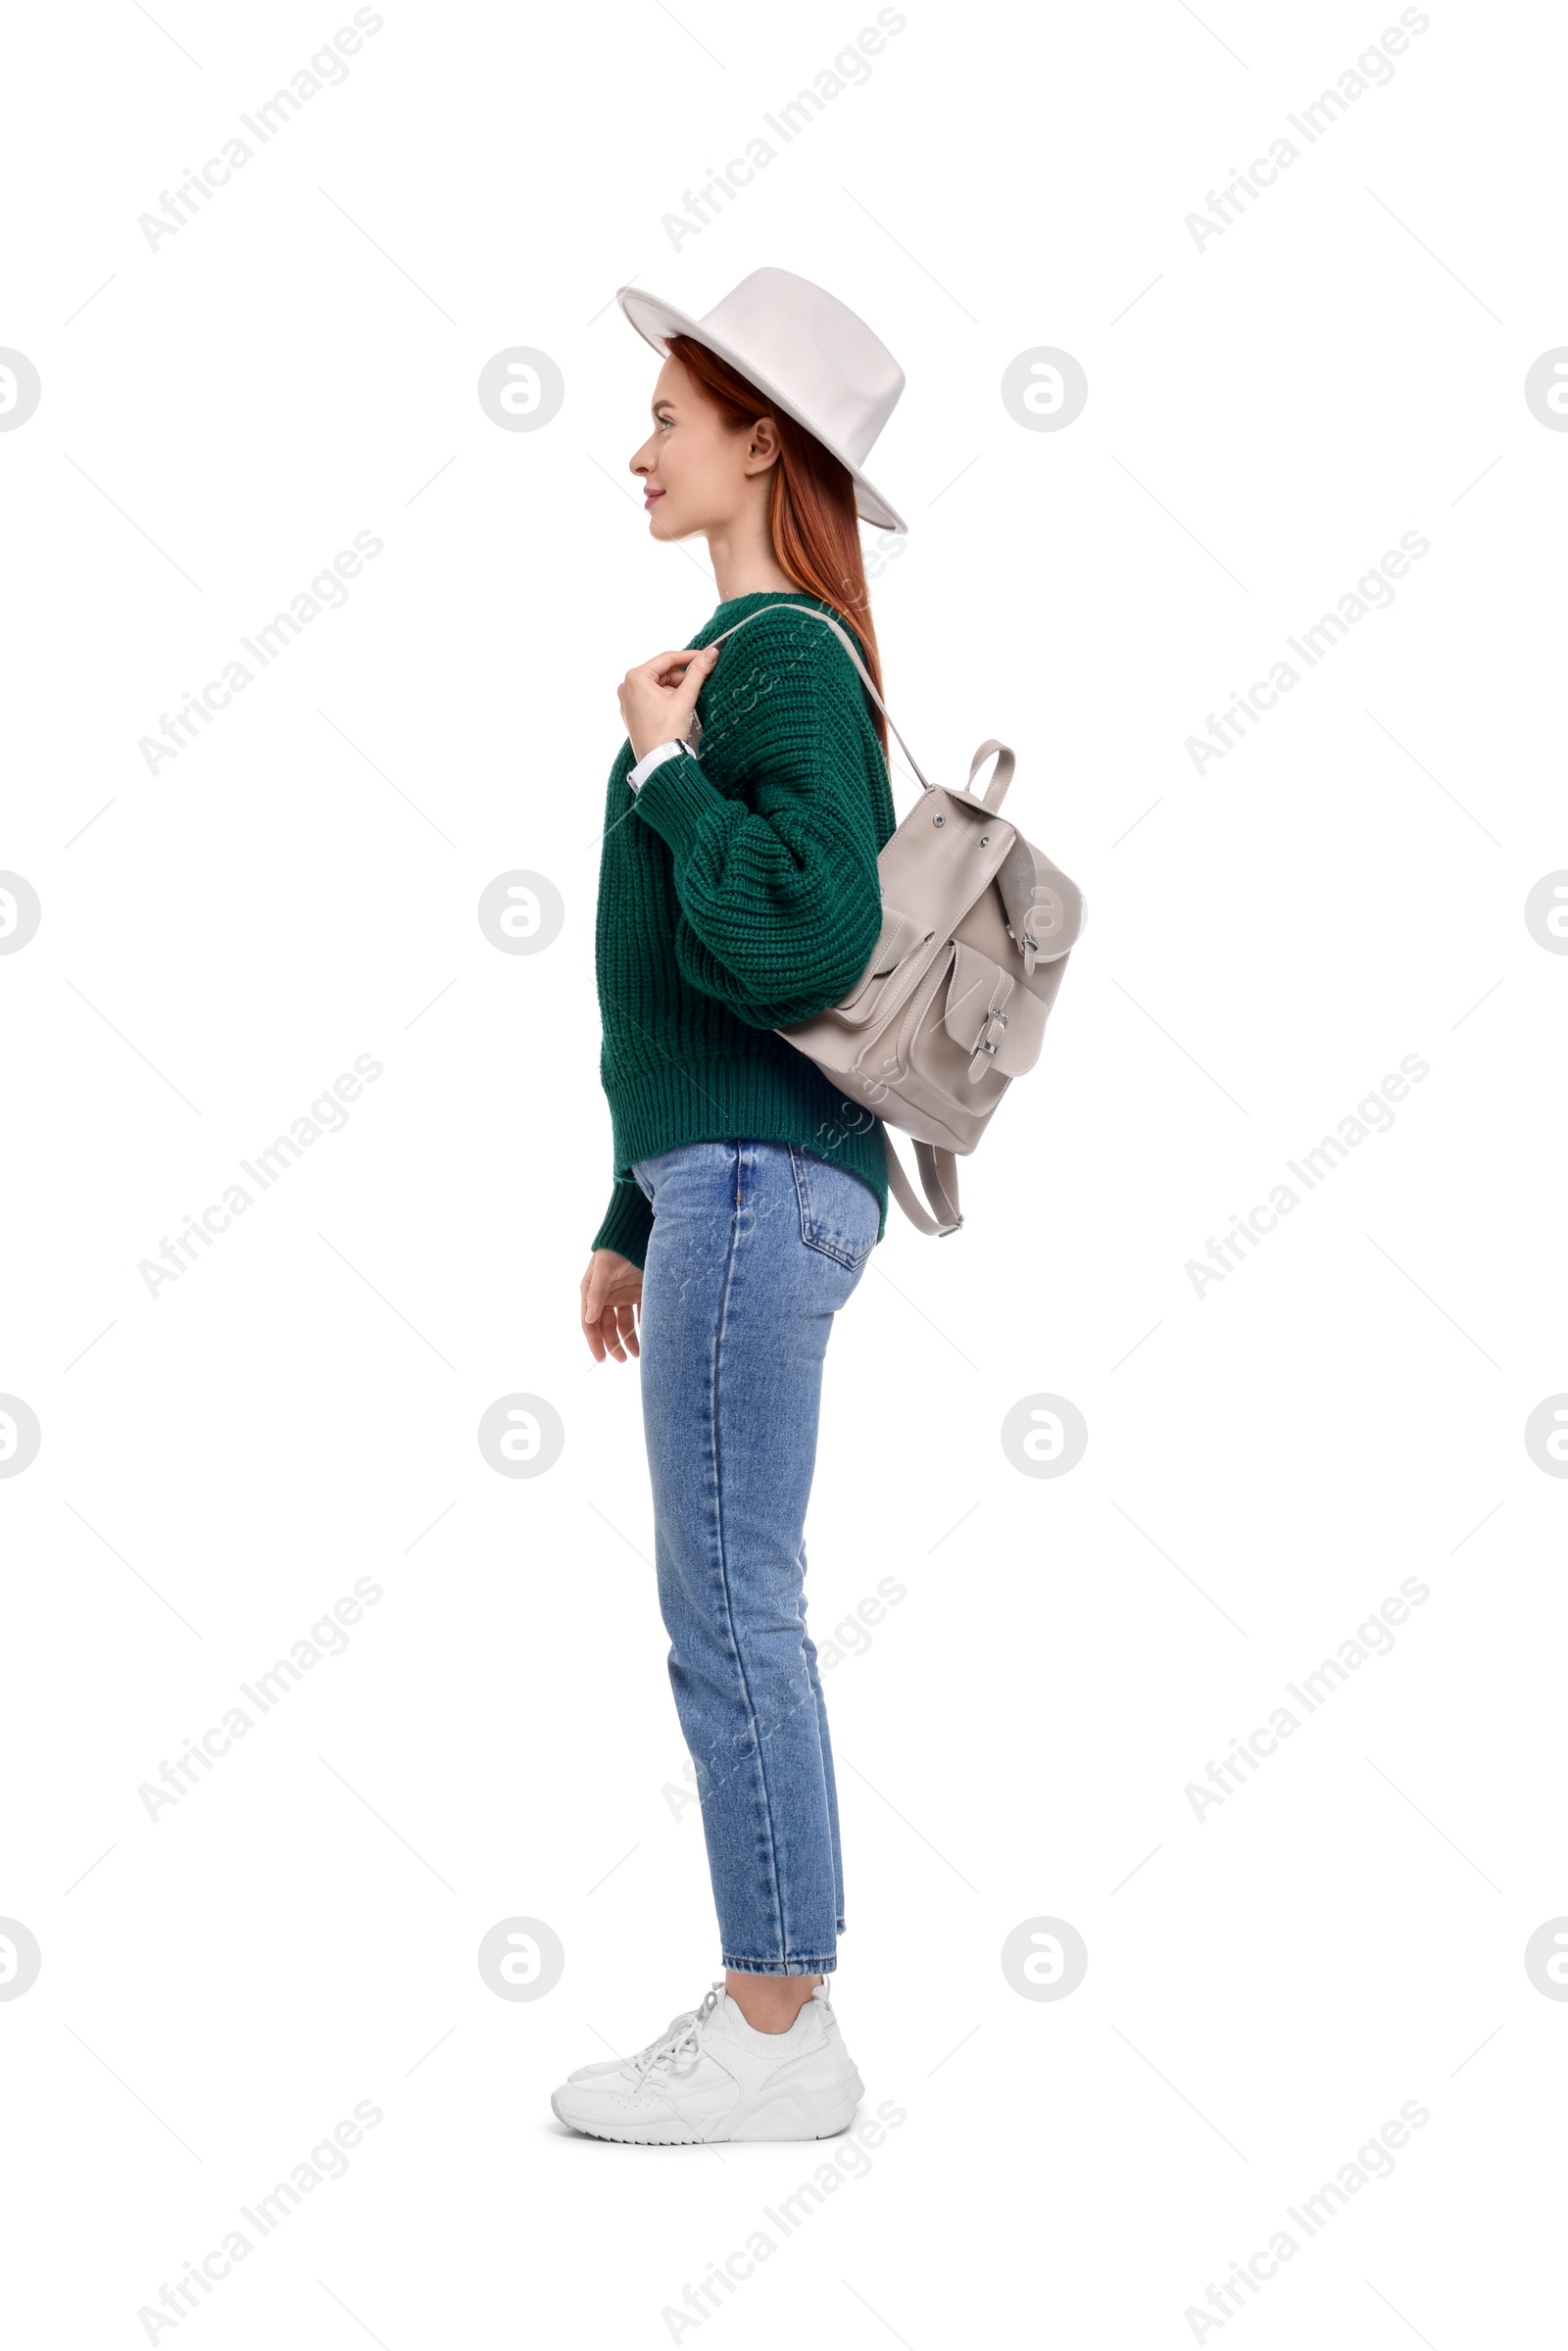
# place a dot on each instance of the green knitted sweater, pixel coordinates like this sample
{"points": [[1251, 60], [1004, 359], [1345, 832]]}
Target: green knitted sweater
{"points": [[738, 890]]}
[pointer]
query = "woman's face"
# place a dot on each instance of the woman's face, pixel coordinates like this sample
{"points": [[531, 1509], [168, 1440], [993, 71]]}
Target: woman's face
{"points": [[697, 475]]}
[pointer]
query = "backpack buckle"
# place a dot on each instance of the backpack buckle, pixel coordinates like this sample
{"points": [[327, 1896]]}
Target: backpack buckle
{"points": [[986, 1045]]}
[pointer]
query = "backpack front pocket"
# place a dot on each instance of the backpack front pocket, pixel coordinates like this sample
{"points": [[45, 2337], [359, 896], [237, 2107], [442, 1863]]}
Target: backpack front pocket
{"points": [[992, 1015], [895, 963]]}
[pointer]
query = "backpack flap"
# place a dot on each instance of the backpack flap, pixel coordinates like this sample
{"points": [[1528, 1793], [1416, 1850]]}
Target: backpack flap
{"points": [[992, 1015], [1045, 911]]}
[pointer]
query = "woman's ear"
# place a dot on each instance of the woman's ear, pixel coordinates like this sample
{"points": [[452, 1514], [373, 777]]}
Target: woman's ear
{"points": [[762, 445]]}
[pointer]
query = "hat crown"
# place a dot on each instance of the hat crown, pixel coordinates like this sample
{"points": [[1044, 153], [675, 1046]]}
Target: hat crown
{"points": [[842, 378]]}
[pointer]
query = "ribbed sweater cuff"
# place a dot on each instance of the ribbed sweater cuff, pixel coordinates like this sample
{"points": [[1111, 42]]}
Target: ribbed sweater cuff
{"points": [[628, 1222], [675, 798]]}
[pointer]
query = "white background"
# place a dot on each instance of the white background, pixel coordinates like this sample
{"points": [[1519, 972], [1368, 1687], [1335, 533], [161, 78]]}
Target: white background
{"points": [[1266, 1462]]}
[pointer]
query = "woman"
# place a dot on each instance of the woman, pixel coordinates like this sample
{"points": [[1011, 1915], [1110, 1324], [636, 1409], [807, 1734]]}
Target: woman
{"points": [[738, 891]]}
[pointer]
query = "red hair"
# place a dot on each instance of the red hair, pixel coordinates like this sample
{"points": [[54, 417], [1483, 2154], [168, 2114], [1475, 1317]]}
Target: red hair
{"points": [[810, 510]]}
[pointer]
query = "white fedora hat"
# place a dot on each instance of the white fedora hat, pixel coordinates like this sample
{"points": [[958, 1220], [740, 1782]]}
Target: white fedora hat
{"points": [[810, 353]]}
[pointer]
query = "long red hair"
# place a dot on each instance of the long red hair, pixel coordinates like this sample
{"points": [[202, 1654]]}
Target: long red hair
{"points": [[811, 511]]}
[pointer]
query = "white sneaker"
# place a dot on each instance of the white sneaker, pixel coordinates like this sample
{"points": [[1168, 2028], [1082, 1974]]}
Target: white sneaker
{"points": [[712, 2077]]}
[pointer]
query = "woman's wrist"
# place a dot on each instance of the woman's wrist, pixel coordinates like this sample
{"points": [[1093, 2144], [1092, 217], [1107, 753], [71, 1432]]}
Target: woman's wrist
{"points": [[651, 759]]}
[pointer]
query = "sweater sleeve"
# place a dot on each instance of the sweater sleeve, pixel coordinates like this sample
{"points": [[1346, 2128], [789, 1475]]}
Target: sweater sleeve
{"points": [[778, 887], [627, 1222]]}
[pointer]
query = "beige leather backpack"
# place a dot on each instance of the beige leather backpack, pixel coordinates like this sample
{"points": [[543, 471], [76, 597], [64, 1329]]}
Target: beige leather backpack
{"points": [[977, 925]]}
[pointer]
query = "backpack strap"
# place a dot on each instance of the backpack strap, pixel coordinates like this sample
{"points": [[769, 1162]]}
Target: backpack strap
{"points": [[939, 1174], [812, 613]]}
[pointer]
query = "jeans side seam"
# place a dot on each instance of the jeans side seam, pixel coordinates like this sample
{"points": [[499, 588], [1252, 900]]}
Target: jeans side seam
{"points": [[723, 1563]]}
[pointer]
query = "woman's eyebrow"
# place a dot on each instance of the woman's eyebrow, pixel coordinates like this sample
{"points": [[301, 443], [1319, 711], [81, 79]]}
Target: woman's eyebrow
{"points": [[661, 405]]}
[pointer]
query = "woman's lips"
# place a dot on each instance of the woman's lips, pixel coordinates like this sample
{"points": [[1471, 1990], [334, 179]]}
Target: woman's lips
{"points": [[651, 499]]}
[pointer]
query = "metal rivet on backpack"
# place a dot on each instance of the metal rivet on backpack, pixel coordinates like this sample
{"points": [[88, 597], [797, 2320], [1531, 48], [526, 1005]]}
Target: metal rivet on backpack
{"points": [[939, 820], [984, 840]]}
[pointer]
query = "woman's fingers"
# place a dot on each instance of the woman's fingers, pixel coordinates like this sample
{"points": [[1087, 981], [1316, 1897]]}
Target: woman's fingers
{"points": [[666, 669], [658, 697], [614, 1327], [609, 1326], [620, 1332], [679, 657]]}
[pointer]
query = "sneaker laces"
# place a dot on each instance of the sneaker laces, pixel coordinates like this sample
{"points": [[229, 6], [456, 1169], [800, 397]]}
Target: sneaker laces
{"points": [[682, 2040]]}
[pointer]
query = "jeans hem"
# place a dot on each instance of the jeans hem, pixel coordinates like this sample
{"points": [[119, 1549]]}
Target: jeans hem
{"points": [[781, 1967]]}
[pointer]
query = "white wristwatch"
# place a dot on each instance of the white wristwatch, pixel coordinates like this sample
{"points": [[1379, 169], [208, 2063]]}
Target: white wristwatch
{"points": [[645, 766]]}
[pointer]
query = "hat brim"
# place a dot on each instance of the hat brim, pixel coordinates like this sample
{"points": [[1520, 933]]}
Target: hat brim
{"points": [[656, 319]]}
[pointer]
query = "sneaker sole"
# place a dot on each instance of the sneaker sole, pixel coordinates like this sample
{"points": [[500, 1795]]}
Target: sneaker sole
{"points": [[779, 2118]]}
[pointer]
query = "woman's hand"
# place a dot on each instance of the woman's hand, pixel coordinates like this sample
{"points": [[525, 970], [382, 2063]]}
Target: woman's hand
{"points": [[612, 1300], [657, 700]]}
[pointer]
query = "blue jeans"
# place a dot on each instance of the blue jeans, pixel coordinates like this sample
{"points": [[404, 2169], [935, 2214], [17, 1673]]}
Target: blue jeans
{"points": [[755, 1246]]}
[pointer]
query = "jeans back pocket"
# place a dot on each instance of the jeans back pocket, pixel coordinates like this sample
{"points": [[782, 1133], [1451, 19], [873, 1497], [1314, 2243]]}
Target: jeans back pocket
{"points": [[839, 1211]]}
